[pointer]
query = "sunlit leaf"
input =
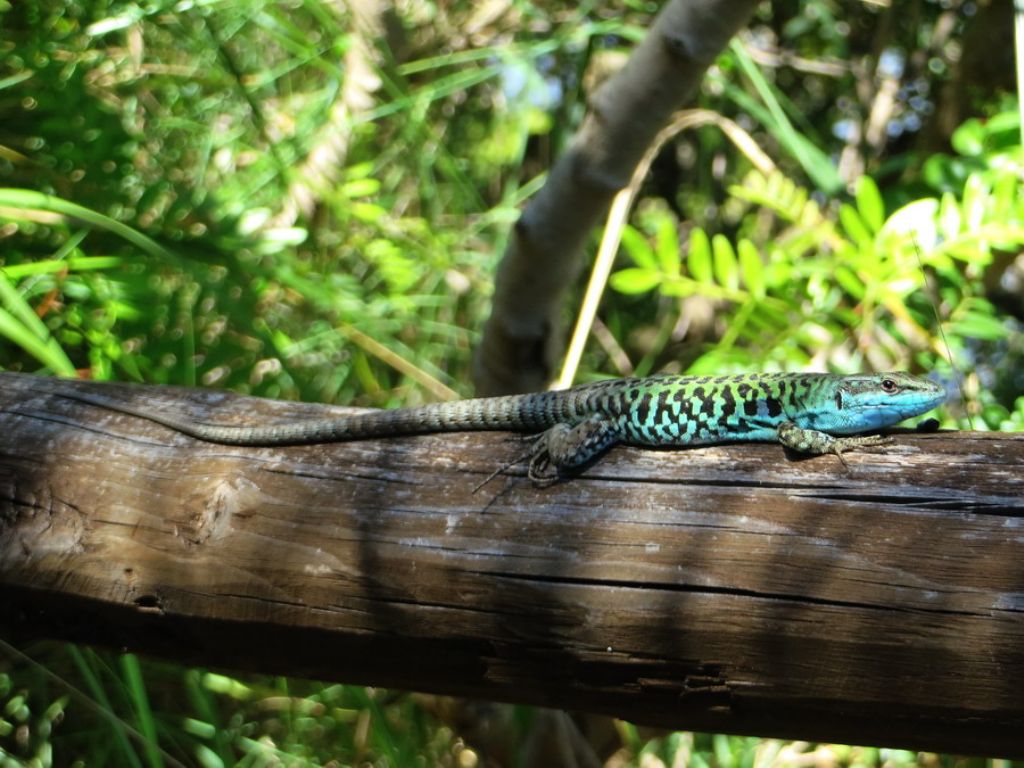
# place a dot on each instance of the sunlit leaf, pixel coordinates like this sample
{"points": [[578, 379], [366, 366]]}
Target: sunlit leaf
{"points": [[635, 244], [949, 216], [849, 282], [752, 268], [969, 138], [975, 325], [682, 286], [726, 272], [915, 221], [698, 258], [360, 188], [854, 226], [635, 280], [869, 203], [369, 213], [667, 246], [975, 199]]}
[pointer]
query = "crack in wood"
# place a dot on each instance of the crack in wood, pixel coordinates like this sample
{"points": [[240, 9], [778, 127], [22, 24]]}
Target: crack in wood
{"points": [[806, 600], [975, 504], [36, 522]]}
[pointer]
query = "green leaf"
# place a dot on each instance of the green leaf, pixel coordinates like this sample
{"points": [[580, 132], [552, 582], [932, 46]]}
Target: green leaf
{"points": [[975, 201], [970, 251], [635, 244], [869, 203], [1002, 237], [752, 268], [206, 757], [849, 282], [915, 222], [1006, 192], [949, 217], [369, 213], [279, 239], [779, 270], [360, 188], [976, 325], [13, 80], [667, 244], [854, 226], [726, 272], [360, 170], [1004, 124], [636, 280], [680, 286], [698, 259], [969, 138]]}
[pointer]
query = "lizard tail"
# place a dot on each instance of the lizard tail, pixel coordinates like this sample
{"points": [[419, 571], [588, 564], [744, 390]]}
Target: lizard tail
{"points": [[512, 412]]}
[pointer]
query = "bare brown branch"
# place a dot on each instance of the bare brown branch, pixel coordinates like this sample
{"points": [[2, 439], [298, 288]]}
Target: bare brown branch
{"points": [[524, 336]]}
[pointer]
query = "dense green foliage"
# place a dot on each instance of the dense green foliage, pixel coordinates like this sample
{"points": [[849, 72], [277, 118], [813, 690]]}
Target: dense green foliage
{"points": [[147, 149]]}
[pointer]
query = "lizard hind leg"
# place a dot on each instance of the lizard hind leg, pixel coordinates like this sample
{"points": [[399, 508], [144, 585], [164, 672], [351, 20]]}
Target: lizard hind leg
{"points": [[565, 447]]}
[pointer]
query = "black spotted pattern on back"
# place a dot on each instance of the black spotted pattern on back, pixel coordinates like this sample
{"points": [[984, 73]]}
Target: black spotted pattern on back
{"points": [[676, 410]]}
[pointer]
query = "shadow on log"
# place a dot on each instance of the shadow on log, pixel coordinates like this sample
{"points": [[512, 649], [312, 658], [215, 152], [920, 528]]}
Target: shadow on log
{"points": [[726, 589]]}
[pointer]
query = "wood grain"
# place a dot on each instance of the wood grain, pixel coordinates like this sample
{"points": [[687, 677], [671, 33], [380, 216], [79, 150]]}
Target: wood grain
{"points": [[730, 588]]}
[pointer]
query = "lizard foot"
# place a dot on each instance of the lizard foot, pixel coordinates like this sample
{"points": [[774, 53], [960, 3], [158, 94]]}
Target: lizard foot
{"points": [[543, 472], [816, 443], [565, 448], [842, 444], [561, 449]]}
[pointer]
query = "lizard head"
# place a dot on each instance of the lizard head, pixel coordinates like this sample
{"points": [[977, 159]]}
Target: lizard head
{"points": [[875, 400]]}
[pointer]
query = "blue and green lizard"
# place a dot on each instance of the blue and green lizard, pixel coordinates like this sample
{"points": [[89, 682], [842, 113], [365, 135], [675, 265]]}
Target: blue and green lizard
{"points": [[812, 413]]}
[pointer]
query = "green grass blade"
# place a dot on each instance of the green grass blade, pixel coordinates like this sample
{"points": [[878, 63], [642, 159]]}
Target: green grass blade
{"points": [[21, 309], [15, 332], [21, 325], [143, 712], [53, 266], [814, 162], [102, 703], [30, 200]]}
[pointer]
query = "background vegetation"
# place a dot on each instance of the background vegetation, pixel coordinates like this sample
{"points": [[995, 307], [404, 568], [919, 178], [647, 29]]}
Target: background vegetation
{"points": [[291, 200]]}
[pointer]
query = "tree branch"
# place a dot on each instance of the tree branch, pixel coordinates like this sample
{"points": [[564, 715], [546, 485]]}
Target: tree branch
{"points": [[523, 336], [726, 588]]}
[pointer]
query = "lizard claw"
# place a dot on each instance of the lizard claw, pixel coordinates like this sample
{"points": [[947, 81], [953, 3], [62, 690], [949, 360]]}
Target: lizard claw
{"points": [[539, 462], [842, 445]]}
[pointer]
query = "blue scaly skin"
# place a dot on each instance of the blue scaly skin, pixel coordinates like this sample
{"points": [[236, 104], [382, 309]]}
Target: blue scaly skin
{"points": [[803, 411]]}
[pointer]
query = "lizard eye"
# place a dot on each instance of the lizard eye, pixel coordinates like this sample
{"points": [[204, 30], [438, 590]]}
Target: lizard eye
{"points": [[889, 386]]}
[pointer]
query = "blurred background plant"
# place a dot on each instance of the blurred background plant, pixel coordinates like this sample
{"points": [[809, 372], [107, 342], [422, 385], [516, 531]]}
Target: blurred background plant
{"points": [[307, 200]]}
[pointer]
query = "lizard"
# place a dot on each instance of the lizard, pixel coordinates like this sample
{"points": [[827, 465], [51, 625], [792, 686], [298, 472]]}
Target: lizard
{"points": [[810, 413]]}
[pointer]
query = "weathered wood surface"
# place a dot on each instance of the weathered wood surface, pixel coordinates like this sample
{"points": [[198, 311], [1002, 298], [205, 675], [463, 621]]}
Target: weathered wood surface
{"points": [[727, 588]]}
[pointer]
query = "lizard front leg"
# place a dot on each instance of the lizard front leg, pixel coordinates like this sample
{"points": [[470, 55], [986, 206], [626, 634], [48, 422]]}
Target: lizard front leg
{"points": [[565, 447], [816, 442]]}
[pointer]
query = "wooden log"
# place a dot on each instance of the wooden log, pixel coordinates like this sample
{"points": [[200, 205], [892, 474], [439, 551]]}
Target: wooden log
{"points": [[728, 588]]}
